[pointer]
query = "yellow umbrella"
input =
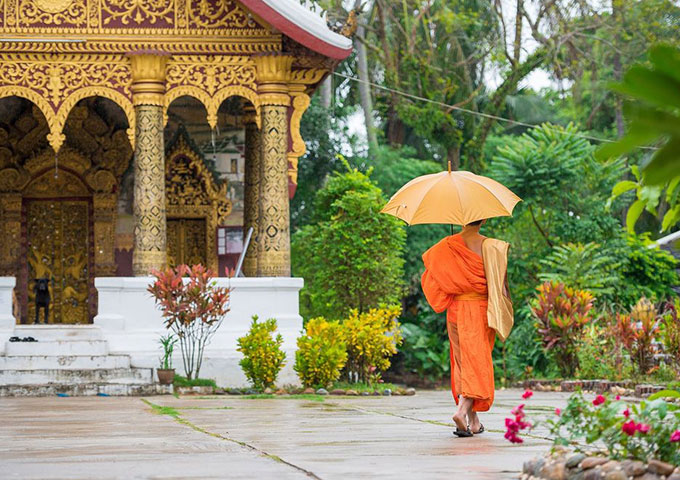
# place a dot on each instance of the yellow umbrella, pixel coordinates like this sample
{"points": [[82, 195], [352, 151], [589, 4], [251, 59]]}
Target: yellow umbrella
{"points": [[456, 198]]}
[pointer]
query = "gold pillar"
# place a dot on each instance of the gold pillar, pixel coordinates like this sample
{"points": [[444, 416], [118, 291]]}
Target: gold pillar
{"points": [[252, 193], [104, 234], [10, 230], [148, 89], [273, 242]]}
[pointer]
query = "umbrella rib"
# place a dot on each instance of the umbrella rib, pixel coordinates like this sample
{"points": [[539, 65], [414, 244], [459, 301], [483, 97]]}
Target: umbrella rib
{"points": [[494, 195]]}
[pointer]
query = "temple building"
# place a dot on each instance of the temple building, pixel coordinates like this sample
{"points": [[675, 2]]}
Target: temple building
{"points": [[140, 134]]}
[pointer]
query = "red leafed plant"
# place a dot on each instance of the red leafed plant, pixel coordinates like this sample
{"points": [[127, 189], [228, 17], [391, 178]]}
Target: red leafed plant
{"points": [[193, 307], [637, 332], [561, 313]]}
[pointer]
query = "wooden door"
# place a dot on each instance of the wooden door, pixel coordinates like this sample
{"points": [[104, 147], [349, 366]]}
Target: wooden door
{"points": [[186, 241], [58, 248]]}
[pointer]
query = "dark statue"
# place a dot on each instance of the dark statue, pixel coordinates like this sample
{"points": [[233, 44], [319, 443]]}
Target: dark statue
{"points": [[42, 298]]}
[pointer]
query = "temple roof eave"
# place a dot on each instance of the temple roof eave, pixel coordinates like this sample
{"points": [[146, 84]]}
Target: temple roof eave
{"points": [[302, 25]]}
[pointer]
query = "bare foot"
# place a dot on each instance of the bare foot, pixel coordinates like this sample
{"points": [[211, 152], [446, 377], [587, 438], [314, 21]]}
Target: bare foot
{"points": [[475, 424], [459, 420]]}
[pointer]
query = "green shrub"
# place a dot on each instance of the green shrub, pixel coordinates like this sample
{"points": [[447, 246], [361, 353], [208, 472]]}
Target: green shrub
{"points": [[263, 358], [372, 338], [351, 256], [600, 356], [321, 353], [180, 381]]}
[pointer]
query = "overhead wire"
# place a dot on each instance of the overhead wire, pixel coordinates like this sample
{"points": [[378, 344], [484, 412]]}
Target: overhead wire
{"points": [[479, 114]]}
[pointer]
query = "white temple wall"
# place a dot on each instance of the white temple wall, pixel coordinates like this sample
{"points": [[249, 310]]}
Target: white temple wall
{"points": [[132, 324], [7, 320]]}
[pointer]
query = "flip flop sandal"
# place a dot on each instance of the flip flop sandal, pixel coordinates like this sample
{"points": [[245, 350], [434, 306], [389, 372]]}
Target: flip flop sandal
{"points": [[462, 433], [481, 430]]}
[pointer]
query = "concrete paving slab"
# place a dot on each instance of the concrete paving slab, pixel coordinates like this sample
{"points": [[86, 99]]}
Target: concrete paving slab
{"points": [[236, 437]]}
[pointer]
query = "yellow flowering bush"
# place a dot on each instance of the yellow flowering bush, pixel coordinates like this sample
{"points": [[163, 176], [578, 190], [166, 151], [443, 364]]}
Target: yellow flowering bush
{"points": [[263, 358], [372, 338], [321, 353]]}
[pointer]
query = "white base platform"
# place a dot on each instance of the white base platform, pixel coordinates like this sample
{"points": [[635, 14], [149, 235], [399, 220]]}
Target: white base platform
{"points": [[126, 331]]}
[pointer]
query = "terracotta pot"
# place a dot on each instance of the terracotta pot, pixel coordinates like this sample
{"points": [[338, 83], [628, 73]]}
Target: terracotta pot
{"points": [[165, 376]]}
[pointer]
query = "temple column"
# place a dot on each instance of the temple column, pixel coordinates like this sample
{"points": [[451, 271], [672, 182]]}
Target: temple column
{"points": [[10, 229], [273, 242], [251, 212], [148, 89]]}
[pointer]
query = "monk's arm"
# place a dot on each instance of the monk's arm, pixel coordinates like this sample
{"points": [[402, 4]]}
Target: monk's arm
{"points": [[436, 297]]}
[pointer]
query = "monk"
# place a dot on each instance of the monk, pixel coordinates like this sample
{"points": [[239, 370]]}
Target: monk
{"points": [[455, 280]]}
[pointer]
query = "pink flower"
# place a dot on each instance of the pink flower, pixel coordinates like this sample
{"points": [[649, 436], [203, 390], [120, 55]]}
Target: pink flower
{"points": [[675, 436], [629, 427], [518, 410], [618, 397], [558, 412], [642, 427], [527, 394], [599, 400], [626, 413]]}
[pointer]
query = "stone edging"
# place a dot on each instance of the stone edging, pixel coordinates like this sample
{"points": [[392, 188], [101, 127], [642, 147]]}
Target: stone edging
{"points": [[563, 464]]}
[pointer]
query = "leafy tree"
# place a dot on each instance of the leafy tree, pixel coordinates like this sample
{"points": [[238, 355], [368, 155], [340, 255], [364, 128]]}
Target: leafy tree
{"points": [[584, 267], [351, 257], [654, 117]]}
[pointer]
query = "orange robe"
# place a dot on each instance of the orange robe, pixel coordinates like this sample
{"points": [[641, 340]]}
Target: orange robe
{"points": [[454, 281]]}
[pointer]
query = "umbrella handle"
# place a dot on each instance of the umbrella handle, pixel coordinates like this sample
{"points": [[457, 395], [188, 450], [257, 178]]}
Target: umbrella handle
{"points": [[450, 172]]}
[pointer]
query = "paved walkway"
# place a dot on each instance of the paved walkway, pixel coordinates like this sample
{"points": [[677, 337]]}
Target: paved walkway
{"points": [[234, 437]]}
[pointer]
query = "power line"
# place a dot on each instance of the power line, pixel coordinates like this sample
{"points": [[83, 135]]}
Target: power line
{"points": [[479, 114]]}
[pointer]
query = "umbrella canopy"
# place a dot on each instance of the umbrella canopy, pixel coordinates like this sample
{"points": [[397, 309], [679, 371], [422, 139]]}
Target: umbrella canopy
{"points": [[457, 198]]}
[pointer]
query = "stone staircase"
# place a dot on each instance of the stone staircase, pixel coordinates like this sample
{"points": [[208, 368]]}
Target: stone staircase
{"points": [[70, 360]]}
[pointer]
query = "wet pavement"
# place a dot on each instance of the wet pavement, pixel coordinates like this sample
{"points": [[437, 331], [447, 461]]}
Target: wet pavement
{"points": [[234, 437]]}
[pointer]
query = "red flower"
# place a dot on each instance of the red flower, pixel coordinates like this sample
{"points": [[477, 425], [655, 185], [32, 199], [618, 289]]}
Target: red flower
{"points": [[527, 394], [618, 397], [599, 400], [626, 413], [629, 427], [518, 410], [675, 436], [558, 412], [642, 427]]}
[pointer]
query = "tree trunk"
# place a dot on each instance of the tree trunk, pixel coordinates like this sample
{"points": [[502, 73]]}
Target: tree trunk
{"points": [[475, 150], [364, 87], [326, 92], [618, 70], [453, 156]]}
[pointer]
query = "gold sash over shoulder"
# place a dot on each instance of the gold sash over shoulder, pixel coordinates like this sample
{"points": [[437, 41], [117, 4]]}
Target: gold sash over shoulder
{"points": [[499, 311]]}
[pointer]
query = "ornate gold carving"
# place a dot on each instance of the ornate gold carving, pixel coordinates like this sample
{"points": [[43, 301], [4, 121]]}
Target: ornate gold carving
{"points": [[55, 12], [308, 76], [105, 208], [221, 18], [253, 170], [149, 200], [10, 229], [49, 185], [193, 193], [187, 242], [273, 246], [300, 104], [148, 78], [56, 84], [129, 12], [57, 238], [211, 80]]}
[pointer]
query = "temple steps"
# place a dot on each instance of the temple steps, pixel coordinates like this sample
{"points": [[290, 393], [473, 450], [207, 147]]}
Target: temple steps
{"points": [[129, 376], [83, 389], [64, 362], [57, 348], [71, 360]]}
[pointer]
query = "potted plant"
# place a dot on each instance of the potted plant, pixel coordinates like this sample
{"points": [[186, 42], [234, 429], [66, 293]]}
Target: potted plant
{"points": [[166, 374]]}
